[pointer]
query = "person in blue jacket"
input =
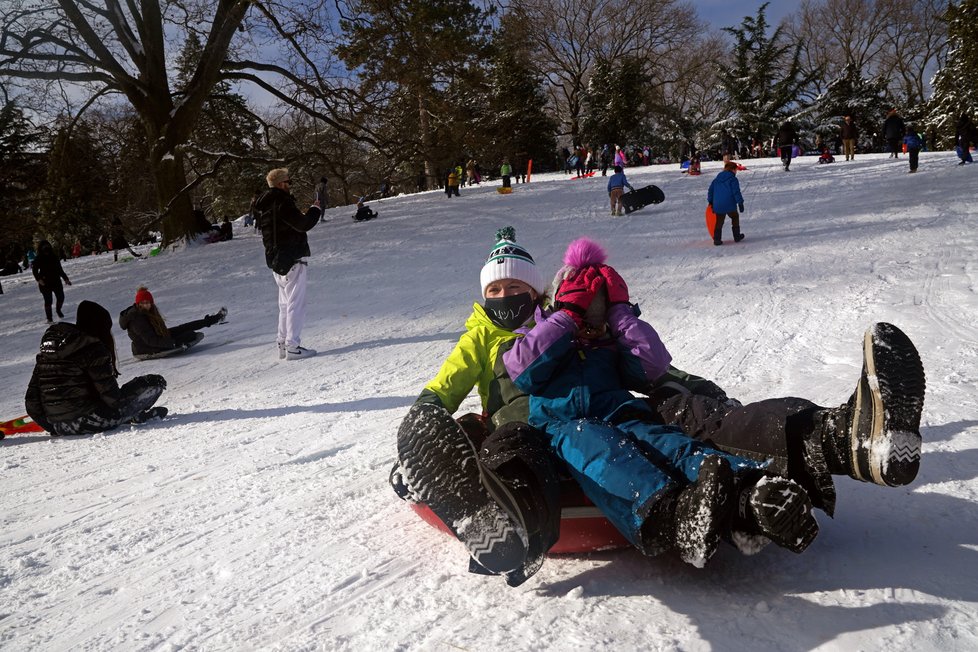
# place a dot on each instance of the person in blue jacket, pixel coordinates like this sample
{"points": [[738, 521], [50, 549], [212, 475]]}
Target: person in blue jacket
{"points": [[616, 188], [725, 199], [914, 144], [658, 486]]}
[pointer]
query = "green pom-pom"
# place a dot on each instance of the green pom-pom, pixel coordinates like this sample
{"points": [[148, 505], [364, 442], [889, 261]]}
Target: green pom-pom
{"points": [[506, 233]]}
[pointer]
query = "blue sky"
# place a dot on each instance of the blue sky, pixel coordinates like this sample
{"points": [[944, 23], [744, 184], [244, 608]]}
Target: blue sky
{"points": [[730, 13]]}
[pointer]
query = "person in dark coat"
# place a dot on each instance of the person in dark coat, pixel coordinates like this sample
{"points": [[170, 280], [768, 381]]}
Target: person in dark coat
{"points": [[149, 333], [725, 198], [73, 390], [787, 136], [49, 274], [850, 134], [893, 131], [227, 232], [965, 134], [283, 232]]}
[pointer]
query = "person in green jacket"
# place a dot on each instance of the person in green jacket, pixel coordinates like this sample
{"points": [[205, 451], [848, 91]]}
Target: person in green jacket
{"points": [[505, 171], [508, 514]]}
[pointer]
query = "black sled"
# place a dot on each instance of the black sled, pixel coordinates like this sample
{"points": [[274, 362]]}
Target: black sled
{"points": [[635, 199]]}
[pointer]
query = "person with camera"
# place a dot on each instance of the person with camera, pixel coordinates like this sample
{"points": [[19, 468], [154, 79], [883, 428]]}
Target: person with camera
{"points": [[283, 232]]}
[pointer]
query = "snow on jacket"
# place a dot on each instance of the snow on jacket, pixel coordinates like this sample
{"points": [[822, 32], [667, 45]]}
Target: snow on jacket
{"points": [[283, 229], [569, 379], [145, 339], [476, 362], [618, 180], [73, 375], [724, 193]]}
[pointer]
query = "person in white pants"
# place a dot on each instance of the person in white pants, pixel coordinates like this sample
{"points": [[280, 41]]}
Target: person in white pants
{"points": [[283, 229]]}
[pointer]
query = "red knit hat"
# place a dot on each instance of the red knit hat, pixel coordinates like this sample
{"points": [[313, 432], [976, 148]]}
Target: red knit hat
{"points": [[142, 294]]}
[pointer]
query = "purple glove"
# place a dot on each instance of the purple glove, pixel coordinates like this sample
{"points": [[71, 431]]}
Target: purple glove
{"points": [[614, 284], [576, 293]]}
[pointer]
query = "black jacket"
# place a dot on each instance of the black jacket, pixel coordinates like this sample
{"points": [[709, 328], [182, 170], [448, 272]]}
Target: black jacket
{"points": [[893, 128], [283, 229], [145, 339], [849, 131], [48, 271], [73, 376], [787, 134]]}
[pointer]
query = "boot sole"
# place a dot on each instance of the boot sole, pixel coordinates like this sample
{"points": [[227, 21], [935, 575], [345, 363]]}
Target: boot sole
{"points": [[701, 511], [442, 470], [889, 401], [783, 513]]}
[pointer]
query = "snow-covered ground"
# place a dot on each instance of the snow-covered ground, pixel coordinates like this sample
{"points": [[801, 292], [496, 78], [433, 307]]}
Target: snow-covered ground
{"points": [[258, 514]]}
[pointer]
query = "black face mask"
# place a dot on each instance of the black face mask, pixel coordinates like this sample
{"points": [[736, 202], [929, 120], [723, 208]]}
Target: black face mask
{"points": [[510, 312]]}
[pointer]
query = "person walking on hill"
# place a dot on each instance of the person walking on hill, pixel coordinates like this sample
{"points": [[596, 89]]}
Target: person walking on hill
{"points": [[283, 232], [617, 183], [850, 134], [786, 143], [914, 144], [893, 131], [48, 273], [725, 199], [965, 134]]}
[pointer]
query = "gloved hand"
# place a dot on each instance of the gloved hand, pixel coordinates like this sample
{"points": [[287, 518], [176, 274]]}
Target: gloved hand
{"points": [[741, 206], [614, 285], [576, 293]]}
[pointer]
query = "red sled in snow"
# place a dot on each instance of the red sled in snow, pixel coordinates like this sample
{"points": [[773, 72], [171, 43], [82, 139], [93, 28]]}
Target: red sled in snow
{"points": [[583, 528], [18, 426]]}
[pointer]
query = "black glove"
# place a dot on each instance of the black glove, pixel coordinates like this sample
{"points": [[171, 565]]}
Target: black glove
{"points": [[741, 206]]}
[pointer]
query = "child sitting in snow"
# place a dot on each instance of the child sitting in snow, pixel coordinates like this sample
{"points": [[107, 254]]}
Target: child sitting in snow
{"points": [[658, 486]]}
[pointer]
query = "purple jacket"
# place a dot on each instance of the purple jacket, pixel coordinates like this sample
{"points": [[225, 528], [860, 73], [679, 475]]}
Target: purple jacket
{"points": [[631, 359]]}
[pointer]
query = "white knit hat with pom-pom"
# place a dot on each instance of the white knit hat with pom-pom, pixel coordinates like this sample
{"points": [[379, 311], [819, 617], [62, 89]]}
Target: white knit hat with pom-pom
{"points": [[509, 260]]}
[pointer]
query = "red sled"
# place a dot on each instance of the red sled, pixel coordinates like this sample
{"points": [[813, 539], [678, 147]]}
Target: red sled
{"points": [[583, 528], [18, 426], [711, 220]]}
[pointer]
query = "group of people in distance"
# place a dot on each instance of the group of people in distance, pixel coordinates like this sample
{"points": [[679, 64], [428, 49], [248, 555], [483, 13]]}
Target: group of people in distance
{"points": [[682, 467]]}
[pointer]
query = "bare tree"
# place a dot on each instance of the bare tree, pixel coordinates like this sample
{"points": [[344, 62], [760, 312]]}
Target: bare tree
{"points": [[570, 36], [110, 47]]}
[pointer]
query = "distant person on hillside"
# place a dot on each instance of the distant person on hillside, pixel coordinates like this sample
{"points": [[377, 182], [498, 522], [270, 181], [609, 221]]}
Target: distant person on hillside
{"points": [[227, 231], [73, 390], [786, 138], [617, 183], [850, 134], [48, 273], [148, 331], [620, 160], [893, 131], [728, 146], [506, 171], [912, 140], [725, 199], [451, 183], [283, 232], [965, 136]]}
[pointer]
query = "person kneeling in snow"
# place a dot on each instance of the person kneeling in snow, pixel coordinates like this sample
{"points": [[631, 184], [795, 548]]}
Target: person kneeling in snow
{"points": [[658, 486], [73, 390], [149, 333]]}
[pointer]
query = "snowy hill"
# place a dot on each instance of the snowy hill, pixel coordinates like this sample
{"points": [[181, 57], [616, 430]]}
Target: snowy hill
{"points": [[258, 515]]}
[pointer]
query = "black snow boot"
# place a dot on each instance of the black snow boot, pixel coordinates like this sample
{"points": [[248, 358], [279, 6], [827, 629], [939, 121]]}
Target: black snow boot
{"points": [[702, 510], [775, 508], [875, 436], [738, 236], [441, 468], [153, 413]]}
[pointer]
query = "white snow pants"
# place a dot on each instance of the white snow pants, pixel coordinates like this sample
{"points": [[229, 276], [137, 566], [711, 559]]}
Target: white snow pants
{"points": [[291, 304]]}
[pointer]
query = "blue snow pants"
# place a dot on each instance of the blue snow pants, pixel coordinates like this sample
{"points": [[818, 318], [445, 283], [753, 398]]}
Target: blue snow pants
{"points": [[626, 467]]}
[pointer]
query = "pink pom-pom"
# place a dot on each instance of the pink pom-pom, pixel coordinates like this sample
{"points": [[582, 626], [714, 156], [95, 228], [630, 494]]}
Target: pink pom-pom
{"points": [[584, 252]]}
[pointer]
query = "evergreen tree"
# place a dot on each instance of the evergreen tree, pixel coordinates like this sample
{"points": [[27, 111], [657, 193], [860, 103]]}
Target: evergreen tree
{"points": [[516, 118], [955, 83], [21, 177], [764, 83], [613, 101], [419, 47], [75, 199], [851, 94]]}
